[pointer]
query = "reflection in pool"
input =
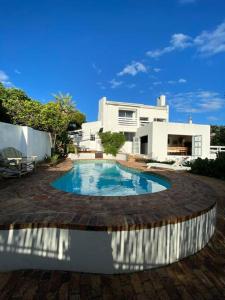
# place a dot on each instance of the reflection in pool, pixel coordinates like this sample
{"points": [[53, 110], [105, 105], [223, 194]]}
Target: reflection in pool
{"points": [[108, 178]]}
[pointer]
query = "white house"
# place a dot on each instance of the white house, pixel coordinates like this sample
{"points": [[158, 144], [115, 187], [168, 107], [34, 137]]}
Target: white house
{"points": [[147, 130]]}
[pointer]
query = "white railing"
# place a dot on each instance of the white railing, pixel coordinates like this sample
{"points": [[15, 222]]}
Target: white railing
{"points": [[216, 149], [127, 121]]}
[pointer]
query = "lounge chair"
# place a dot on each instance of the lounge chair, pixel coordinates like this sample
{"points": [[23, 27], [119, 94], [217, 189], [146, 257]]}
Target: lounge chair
{"points": [[178, 165], [11, 172], [15, 158]]}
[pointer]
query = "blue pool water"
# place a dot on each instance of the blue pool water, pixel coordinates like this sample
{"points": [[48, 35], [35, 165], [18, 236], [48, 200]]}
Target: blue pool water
{"points": [[105, 178]]}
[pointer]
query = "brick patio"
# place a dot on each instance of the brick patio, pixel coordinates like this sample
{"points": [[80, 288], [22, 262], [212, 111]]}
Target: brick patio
{"points": [[201, 276]]}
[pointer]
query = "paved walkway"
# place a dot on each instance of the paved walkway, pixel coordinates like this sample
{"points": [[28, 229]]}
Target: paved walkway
{"points": [[201, 276]]}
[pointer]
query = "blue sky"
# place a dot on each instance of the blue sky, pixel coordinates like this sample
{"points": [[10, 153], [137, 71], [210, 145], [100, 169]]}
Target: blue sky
{"points": [[126, 50]]}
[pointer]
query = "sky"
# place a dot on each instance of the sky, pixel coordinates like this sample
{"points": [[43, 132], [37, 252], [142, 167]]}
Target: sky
{"points": [[126, 50]]}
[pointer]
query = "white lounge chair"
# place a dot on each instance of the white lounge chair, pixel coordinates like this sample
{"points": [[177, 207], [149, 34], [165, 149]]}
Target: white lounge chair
{"points": [[178, 165]]}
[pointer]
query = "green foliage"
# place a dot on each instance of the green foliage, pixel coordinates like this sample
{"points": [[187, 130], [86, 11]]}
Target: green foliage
{"points": [[55, 116], [54, 159], [209, 167], [71, 148], [77, 118], [218, 135], [112, 141]]}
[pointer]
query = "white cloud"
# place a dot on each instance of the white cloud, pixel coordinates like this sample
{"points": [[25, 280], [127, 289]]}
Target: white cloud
{"points": [[114, 83], [178, 41], [96, 68], [4, 78], [207, 43], [197, 102], [210, 43], [181, 80], [157, 83], [133, 69], [17, 72], [157, 70]]}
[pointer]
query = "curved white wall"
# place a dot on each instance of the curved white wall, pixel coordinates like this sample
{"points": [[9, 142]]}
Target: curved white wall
{"points": [[101, 251]]}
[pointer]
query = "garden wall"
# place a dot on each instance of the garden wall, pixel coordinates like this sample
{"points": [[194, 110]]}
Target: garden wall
{"points": [[27, 140]]}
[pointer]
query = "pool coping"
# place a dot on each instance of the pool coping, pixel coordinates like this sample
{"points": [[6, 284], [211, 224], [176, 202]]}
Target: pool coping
{"points": [[44, 206]]}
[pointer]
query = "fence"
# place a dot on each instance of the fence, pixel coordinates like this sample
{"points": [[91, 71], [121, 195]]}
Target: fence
{"points": [[216, 149], [25, 139]]}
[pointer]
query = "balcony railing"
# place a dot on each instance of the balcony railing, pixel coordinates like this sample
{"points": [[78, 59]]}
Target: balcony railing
{"points": [[216, 149], [127, 121]]}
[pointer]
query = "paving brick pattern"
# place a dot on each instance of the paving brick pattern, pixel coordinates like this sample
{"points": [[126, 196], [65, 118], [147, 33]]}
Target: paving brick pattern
{"points": [[201, 276], [32, 202]]}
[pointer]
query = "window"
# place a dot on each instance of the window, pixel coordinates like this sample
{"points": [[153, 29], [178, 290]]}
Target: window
{"points": [[92, 137], [144, 119], [129, 136], [126, 113], [159, 120]]}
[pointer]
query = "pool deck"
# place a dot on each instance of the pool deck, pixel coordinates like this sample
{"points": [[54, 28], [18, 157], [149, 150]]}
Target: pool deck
{"points": [[27, 201], [31, 202]]}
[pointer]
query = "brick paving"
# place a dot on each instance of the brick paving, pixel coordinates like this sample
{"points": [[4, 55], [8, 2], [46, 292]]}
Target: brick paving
{"points": [[201, 276], [32, 202]]}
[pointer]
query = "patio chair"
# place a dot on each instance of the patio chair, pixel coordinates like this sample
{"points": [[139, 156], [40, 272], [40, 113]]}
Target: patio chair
{"points": [[15, 157], [10, 169], [178, 165]]}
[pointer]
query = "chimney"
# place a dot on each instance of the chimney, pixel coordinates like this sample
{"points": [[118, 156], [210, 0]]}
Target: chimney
{"points": [[161, 100], [190, 119]]}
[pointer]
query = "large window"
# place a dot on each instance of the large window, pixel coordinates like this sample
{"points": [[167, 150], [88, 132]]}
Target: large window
{"points": [[129, 136], [126, 113]]}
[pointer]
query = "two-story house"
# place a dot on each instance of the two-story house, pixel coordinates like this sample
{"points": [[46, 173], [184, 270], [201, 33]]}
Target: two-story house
{"points": [[147, 130]]}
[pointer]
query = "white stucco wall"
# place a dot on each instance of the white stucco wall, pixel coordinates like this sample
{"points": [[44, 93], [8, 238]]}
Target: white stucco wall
{"points": [[109, 113], [158, 137], [25, 139], [102, 251]]}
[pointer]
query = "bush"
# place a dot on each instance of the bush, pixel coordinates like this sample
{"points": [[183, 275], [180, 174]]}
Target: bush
{"points": [[209, 167], [71, 148], [112, 141]]}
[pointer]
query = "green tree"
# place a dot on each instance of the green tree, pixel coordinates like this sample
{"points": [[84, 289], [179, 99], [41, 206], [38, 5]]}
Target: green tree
{"points": [[53, 120], [10, 99], [218, 135], [55, 116], [112, 141]]}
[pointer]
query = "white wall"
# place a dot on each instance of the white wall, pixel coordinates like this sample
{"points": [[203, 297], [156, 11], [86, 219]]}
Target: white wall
{"points": [[25, 139], [158, 137], [109, 112], [108, 119], [102, 251]]}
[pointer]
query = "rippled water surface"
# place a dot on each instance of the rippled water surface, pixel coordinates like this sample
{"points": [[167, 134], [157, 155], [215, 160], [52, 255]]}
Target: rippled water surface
{"points": [[104, 178]]}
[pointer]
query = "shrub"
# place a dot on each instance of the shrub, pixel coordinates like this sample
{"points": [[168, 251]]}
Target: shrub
{"points": [[209, 167], [71, 148], [112, 141]]}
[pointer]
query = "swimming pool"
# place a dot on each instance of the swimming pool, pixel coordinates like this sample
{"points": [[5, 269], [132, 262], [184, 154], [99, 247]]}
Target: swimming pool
{"points": [[108, 178]]}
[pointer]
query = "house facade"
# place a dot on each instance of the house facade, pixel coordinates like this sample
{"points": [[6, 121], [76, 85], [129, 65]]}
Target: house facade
{"points": [[147, 131]]}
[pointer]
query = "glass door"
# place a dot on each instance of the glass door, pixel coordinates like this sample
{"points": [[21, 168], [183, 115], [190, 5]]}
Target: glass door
{"points": [[197, 145]]}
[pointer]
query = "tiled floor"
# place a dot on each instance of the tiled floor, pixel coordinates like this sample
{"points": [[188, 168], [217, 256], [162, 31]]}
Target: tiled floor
{"points": [[201, 276]]}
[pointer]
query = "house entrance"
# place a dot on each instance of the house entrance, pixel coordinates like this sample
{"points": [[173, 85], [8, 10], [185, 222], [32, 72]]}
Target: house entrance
{"points": [[144, 144]]}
